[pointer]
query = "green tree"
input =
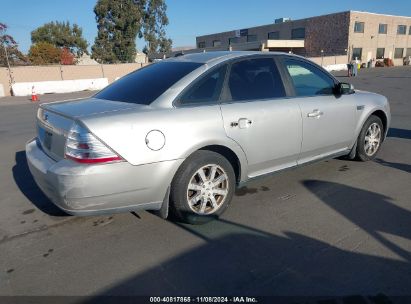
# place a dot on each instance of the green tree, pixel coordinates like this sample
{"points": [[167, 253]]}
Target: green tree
{"points": [[42, 53], [9, 45], [61, 35], [154, 27], [120, 22]]}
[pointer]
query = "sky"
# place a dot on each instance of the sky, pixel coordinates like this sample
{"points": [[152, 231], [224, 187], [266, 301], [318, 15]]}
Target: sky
{"points": [[188, 18]]}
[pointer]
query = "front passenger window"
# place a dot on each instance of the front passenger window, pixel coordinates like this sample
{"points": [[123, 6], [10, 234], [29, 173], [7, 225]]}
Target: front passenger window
{"points": [[308, 80]]}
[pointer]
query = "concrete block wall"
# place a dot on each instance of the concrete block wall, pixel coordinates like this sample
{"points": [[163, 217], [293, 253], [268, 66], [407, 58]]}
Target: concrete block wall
{"points": [[4, 81], [24, 74]]}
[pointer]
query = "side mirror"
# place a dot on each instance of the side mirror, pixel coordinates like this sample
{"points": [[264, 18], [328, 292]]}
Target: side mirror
{"points": [[344, 88]]}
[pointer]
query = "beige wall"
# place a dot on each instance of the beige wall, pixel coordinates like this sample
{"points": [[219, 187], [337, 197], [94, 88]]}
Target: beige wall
{"points": [[329, 60], [4, 80], [50, 73], [370, 40]]}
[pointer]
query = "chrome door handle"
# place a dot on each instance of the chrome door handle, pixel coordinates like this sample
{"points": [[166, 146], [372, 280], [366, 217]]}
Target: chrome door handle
{"points": [[315, 113], [242, 123]]}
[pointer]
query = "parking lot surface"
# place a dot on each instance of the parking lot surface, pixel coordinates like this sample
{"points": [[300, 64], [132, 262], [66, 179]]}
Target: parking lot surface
{"points": [[335, 228]]}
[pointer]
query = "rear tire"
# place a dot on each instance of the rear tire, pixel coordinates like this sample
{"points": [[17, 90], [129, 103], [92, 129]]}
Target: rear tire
{"points": [[370, 139], [202, 188]]}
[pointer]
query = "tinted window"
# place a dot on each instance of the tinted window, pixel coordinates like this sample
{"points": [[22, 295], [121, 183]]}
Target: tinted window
{"points": [[359, 27], [274, 35], [298, 33], [401, 29], [206, 89], [308, 80], [216, 43], [398, 53], [356, 53], [145, 85], [251, 38], [382, 28], [232, 40], [380, 53], [255, 79]]}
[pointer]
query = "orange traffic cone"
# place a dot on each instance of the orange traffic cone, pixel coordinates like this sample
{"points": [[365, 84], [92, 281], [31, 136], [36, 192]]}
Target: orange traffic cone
{"points": [[34, 96]]}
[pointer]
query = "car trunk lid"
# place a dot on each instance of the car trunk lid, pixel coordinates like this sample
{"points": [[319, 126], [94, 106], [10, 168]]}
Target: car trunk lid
{"points": [[54, 121]]}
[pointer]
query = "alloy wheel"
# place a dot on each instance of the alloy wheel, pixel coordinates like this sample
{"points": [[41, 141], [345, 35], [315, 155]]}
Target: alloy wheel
{"points": [[207, 189], [372, 139]]}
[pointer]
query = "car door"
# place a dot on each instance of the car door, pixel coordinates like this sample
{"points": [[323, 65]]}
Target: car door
{"points": [[258, 115], [328, 119]]}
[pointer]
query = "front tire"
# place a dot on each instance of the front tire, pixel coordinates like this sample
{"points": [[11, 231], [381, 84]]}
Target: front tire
{"points": [[370, 139], [202, 188]]}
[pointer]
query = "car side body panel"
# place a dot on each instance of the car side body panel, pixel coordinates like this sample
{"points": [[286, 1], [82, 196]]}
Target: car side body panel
{"points": [[332, 131], [271, 139]]}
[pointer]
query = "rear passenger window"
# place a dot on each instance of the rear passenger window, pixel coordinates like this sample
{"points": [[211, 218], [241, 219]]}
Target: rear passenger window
{"points": [[255, 79], [207, 89], [308, 80]]}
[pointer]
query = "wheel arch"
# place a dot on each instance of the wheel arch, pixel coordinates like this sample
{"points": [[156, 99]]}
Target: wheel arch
{"points": [[384, 119], [230, 155]]}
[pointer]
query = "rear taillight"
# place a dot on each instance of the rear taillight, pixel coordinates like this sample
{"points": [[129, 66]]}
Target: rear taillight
{"points": [[84, 147]]}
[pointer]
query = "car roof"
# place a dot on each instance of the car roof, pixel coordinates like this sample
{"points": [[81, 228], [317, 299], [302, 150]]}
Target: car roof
{"points": [[217, 56]]}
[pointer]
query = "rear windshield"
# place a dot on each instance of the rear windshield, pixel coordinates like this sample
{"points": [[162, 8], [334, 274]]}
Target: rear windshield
{"points": [[145, 85]]}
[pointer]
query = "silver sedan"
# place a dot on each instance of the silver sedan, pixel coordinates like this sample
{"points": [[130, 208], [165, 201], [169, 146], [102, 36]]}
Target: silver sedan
{"points": [[177, 137]]}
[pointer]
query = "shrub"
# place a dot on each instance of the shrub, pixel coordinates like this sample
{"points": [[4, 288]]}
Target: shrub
{"points": [[44, 53]]}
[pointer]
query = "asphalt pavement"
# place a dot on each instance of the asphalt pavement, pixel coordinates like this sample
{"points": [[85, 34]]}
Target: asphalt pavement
{"points": [[335, 228]]}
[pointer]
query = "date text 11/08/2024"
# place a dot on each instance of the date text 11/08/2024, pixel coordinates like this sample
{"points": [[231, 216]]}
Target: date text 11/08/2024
{"points": [[203, 300]]}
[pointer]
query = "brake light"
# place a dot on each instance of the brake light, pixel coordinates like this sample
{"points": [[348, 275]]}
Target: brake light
{"points": [[84, 147]]}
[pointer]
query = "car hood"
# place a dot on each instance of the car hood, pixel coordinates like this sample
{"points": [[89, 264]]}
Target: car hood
{"points": [[87, 107]]}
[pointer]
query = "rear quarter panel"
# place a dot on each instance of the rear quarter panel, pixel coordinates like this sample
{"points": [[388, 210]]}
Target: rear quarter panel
{"points": [[185, 129]]}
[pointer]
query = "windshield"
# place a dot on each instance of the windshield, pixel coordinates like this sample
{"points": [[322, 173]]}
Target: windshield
{"points": [[145, 85]]}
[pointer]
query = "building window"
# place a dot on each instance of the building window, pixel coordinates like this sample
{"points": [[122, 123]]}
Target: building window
{"points": [[382, 29], [380, 53], [356, 53], [408, 52], [359, 27], [398, 53], [401, 29], [298, 33], [251, 38], [273, 35], [201, 44], [232, 40], [216, 43], [409, 31]]}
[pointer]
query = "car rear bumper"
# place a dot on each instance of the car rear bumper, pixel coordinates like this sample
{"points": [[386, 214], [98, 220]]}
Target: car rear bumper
{"points": [[81, 189]]}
